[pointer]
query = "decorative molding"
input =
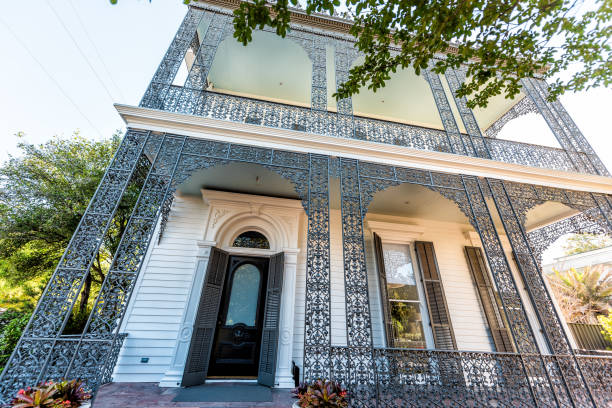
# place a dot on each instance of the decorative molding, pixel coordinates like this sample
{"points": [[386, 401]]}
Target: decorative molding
{"points": [[249, 134]]}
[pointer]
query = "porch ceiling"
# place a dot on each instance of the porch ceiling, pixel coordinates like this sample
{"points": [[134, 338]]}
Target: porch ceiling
{"points": [[414, 201], [239, 178]]}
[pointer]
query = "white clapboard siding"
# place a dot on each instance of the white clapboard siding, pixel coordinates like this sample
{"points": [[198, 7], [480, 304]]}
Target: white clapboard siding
{"points": [[156, 307]]}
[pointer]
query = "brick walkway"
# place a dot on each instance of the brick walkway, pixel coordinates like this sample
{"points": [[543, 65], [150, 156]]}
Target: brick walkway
{"points": [[144, 395]]}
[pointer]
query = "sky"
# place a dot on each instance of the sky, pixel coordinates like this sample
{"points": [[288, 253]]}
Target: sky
{"points": [[65, 62]]}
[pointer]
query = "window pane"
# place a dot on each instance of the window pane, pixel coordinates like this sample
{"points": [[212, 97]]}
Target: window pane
{"points": [[244, 296], [401, 283], [407, 325]]}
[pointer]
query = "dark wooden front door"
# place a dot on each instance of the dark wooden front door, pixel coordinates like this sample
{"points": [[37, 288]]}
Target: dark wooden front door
{"points": [[236, 347]]}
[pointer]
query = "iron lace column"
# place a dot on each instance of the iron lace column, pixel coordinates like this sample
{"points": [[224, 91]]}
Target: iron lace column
{"points": [[317, 309], [571, 139], [357, 303], [166, 71], [563, 374], [28, 363]]}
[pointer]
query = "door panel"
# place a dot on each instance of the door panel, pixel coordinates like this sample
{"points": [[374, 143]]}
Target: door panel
{"points": [[269, 342], [196, 366], [239, 325]]}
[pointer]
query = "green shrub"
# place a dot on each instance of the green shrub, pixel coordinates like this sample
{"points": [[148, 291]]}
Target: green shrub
{"points": [[11, 327], [606, 323]]}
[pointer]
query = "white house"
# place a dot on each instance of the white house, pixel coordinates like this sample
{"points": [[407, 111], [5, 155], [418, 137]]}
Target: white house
{"points": [[388, 241]]}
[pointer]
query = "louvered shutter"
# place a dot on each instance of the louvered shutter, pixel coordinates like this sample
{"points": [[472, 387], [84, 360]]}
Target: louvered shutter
{"points": [[384, 297], [269, 336], [206, 320], [486, 292], [439, 318]]}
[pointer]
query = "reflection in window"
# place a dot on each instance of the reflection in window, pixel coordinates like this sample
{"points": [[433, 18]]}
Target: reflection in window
{"points": [[251, 239], [244, 296], [403, 295]]}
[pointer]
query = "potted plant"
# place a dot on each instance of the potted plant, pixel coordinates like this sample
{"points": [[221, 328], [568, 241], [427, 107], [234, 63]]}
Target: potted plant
{"points": [[63, 394], [320, 393]]}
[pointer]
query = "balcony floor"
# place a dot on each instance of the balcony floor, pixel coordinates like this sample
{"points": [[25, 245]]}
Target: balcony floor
{"points": [[144, 395]]}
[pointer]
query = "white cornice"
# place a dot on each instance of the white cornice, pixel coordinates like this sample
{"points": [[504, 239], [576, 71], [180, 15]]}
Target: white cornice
{"points": [[256, 135]]}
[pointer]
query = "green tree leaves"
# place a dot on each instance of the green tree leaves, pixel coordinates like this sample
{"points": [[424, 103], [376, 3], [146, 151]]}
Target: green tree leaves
{"points": [[499, 41]]}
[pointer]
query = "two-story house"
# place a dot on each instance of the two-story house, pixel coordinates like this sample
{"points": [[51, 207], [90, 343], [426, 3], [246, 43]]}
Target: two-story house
{"points": [[388, 241]]}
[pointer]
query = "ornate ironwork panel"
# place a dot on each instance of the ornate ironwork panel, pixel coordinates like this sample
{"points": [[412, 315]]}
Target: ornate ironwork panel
{"points": [[92, 355], [317, 330], [456, 141], [345, 54], [357, 303], [524, 339], [596, 371], [549, 319], [455, 78], [579, 142], [59, 297], [558, 128], [540, 239], [170, 64], [522, 107]]}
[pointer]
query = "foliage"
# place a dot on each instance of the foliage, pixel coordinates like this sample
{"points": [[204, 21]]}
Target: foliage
{"points": [[44, 191], [606, 323], [64, 394], [500, 41], [73, 392], [38, 397], [582, 296], [12, 324], [321, 393], [579, 243]]}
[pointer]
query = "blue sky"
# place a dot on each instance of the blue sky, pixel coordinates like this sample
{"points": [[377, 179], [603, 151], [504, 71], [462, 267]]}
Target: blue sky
{"points": [[131, 38]]}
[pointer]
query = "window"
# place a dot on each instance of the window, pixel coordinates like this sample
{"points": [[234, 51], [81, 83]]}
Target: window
{"points": [[244, 296], [251, 239], [405, 307]]}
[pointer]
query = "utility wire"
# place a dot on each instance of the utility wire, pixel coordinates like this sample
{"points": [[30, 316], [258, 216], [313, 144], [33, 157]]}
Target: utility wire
{"points": [[50, 4], [84, 27], [25, 47]]}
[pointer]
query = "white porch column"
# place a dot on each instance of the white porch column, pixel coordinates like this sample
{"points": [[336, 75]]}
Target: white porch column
{"points": [[174, 375], [284, 377]]}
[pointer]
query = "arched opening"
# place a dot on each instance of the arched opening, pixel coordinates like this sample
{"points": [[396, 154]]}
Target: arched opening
{"points": [[529, 128], [418, 249], [269, 68], [239, 177], [576, 260], [251, 239], [406, 98]]}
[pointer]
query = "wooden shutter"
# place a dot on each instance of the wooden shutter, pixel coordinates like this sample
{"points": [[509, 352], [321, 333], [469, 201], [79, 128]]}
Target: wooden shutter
{"points": [[269, 336], [486, 293], [384, 297], [441, 327], [206, 320]]}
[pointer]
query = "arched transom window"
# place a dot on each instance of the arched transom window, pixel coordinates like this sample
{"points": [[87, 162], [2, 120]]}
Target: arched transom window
{"points": [[251, 239]]}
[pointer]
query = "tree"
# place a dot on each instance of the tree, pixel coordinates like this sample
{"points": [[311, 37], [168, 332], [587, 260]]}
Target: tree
{"points": [[579, 243], [583, 296], [43, 194], [500, 41]]}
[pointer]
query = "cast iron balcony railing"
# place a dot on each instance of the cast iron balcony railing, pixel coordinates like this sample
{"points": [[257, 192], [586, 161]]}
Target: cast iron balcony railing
{"points": [[418, 378], [247, 110]]}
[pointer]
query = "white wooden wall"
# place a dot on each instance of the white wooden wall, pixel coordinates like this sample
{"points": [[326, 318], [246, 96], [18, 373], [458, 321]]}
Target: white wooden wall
{"points": [[155, 310]]}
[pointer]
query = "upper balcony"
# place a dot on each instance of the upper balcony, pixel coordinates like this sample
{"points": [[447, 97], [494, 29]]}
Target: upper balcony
{"points": [[288, 83]]}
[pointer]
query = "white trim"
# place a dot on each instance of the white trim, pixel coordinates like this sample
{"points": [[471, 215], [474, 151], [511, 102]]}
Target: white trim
{"points": [[226, 131]]}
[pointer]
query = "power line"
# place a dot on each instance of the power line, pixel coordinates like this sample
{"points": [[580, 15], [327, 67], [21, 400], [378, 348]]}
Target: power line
{"points": [[25, 47], [84, 27], [80, 50]]}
